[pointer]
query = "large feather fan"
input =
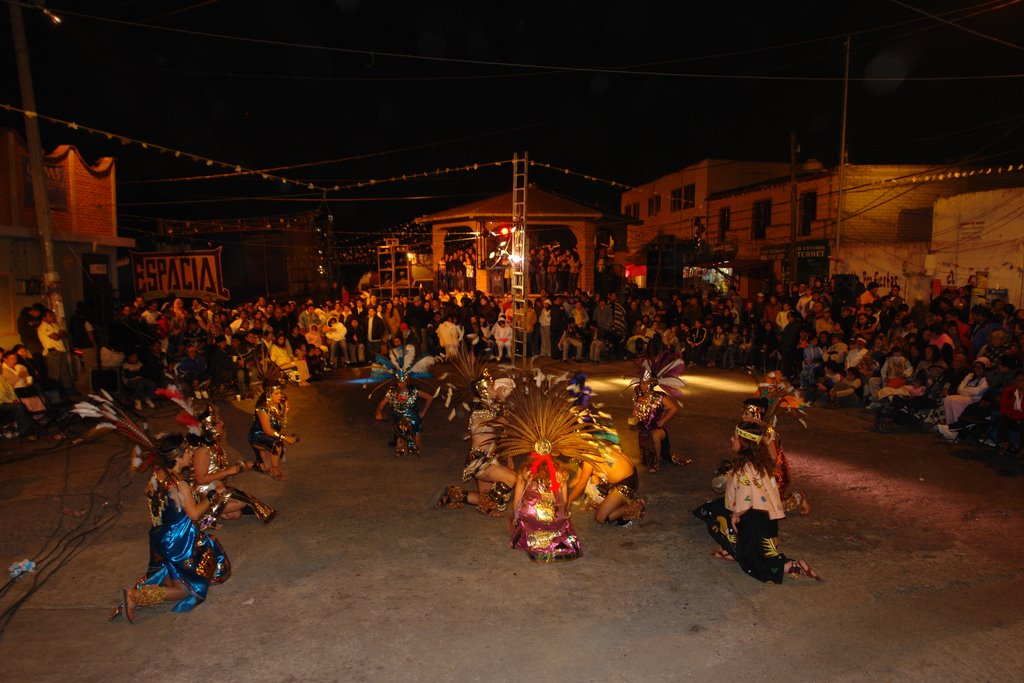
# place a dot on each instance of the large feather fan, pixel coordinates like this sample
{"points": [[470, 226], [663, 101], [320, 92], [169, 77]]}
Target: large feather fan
{"points": [[464, 368], [535, 415], [113, 419]]}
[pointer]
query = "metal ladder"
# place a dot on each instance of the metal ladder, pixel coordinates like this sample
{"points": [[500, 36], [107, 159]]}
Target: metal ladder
{"points": [[518, 255]]}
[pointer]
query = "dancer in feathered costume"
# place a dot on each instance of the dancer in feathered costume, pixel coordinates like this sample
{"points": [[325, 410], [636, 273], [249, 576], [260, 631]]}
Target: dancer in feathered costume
{"points": [[183, 560], [211, 469], [494, 481], [542, 424], [269, 418], [776, 395], [406, 416], [657, 388], [745, 522], [612, 480]]}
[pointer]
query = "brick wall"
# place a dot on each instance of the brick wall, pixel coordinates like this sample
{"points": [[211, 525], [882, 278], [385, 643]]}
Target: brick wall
{"points": [[88, 190]]}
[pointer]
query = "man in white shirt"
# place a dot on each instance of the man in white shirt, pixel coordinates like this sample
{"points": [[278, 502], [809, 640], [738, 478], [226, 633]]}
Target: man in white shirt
{"points": [[54, 350], [857, 353]]}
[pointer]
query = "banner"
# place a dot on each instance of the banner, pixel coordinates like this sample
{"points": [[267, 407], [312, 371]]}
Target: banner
{"points": [[195, 274]]}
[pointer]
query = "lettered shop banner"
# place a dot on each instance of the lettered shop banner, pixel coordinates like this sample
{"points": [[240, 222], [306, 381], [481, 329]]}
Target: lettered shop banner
{"points": [[194, 274]]}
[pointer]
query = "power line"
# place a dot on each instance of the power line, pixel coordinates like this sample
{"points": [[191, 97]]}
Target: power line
{"points": [[525, 65], [958, 26]]}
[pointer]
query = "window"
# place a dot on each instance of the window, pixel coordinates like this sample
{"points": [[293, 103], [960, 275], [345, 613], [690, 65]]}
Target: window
{"points": [[675, 201], [632, 209], [689, 196], [762, 218], [724, 216], [654, 205], [808, 211]]}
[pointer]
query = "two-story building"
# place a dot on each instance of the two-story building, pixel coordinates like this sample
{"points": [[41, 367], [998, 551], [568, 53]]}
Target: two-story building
{"points": [[884, 236], [83, 206]]}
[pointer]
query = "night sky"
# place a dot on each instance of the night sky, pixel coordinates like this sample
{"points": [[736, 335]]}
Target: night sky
{"points": [[397, 88]]}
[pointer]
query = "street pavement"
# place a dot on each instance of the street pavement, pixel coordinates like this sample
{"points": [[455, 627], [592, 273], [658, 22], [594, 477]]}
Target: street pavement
{"points": [[359, 580]]}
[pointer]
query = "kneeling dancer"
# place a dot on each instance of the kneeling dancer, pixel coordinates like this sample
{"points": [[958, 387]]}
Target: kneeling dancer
{"points": [[745, 523], [495, 481]]}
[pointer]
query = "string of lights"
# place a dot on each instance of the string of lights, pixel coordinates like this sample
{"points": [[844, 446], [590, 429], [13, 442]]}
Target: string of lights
{"points": [[238, 169]]}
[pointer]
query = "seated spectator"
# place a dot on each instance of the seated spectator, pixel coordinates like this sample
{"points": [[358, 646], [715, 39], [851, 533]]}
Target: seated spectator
{"points": [[503, 340], [836, 351], [1011, 412], [812, 364], [571, 339], [970, 391], [11, 408], [843, 393], [894, 373], [134, 380], [596, 343], [193, 372], [696, 343], [716, 347], [225, 371]]}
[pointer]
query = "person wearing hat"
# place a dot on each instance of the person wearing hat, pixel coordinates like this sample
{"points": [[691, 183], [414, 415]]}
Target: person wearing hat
{"points": [[855, 355], [970, 391]]}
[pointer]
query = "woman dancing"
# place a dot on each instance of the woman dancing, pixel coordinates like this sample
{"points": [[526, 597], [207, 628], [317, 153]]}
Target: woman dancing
{"points": [[654, 406], [745, 523], [183, 560], [406, 416], [265, 435]]}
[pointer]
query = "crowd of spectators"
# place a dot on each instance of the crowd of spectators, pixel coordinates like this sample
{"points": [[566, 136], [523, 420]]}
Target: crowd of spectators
{"points": [[554, 268], [859, 351], [457, 270]]}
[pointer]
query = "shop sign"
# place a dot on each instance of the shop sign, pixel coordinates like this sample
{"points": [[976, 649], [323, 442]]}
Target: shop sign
{"points": [[816, 249]]}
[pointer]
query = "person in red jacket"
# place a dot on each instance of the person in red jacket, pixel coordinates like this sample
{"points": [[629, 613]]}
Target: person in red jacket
{"points": [[1011, 411]]}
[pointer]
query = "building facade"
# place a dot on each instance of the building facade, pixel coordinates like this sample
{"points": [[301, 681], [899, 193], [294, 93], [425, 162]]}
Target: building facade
{"points": [[83, 206], [884, 235]]}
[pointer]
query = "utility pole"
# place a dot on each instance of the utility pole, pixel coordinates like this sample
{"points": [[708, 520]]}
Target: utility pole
{"points": [[51, 279], [841, 208], [792, 206]]}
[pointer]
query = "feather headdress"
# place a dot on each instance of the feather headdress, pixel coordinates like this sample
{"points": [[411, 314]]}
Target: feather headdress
{"points": [[779, 395], [582, 398], [113, 419], [458, 381], [267, 373], [404, 365], [665, 371], [541, 421]]}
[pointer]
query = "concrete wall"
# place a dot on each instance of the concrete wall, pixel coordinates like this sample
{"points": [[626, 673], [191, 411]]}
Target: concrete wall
{"points": [[980, 231], [891, 264]]}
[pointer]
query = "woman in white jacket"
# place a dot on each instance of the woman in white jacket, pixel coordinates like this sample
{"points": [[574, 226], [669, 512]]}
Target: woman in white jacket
{"points": [[971, 389]]}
